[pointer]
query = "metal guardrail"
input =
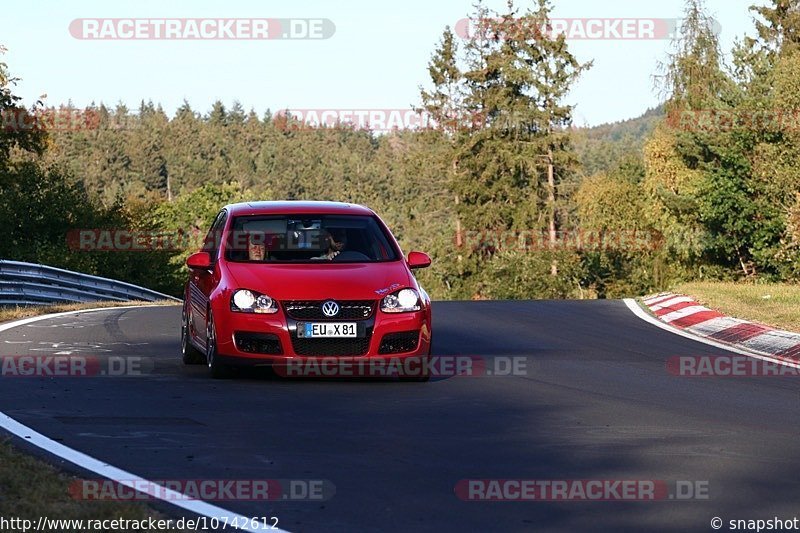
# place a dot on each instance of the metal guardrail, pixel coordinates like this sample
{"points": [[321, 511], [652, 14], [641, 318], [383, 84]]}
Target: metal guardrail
{"points": [[32, 284]]}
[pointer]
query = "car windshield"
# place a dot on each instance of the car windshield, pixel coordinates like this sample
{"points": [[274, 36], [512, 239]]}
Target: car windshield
{"points": [[307, 239]]}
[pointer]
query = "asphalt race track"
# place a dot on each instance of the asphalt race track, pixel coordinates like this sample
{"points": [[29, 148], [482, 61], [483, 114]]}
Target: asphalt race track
{"points": [[597, 403]]}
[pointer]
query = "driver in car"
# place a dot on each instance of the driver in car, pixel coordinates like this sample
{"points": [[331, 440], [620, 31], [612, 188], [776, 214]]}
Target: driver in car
{"points": [[335, 241]]}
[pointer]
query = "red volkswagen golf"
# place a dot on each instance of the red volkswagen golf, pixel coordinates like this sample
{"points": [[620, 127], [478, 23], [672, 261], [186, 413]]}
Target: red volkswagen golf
{"points": [[281, 282]]}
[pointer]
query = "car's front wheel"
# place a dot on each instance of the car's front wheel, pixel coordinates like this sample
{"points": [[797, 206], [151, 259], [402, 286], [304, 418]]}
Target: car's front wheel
{"points": [[191, 355], [217, 369]]}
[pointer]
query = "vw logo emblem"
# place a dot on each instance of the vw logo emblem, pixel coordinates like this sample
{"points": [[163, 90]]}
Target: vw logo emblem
{"points": [[330, 308]]}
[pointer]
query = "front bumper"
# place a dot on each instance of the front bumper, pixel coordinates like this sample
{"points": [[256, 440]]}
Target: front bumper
{"points": [[275, 341]]}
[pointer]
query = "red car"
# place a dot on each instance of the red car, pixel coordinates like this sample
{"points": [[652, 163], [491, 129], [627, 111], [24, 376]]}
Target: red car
{"points": [[282, 282]]}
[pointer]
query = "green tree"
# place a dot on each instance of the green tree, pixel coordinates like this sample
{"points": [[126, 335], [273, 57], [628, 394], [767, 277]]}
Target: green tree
{"points": [[513, 158], [15, 119], [779, 31], [692, 76]]}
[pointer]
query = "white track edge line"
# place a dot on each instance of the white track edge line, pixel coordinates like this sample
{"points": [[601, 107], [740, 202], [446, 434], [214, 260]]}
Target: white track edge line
{"points": [[637, 310], [106, 470], [24, 321]]}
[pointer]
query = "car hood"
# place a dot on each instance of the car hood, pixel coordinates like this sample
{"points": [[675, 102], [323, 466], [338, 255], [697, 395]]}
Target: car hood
{"points": [[344, 281]]}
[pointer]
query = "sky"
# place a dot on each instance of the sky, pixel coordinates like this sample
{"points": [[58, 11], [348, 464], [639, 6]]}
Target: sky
{"points": [[376, 58]]}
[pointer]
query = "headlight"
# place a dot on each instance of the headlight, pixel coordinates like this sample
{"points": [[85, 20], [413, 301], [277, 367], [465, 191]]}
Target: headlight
{"points": [[403, 301], [245, 301]]}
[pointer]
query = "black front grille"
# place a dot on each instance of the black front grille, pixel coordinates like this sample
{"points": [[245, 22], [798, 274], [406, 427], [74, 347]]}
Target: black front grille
{"points": [[312, 309], [405, 341], [263, 343], [332, 347]]}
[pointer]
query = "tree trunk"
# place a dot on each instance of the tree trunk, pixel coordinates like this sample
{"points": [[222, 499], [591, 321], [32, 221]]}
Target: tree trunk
{"points": [[459, 239], [747, 271], [459, 236], [551, 199]]}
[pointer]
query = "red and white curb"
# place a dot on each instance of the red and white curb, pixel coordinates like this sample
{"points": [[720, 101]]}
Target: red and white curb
{"points": [[686, 314]]}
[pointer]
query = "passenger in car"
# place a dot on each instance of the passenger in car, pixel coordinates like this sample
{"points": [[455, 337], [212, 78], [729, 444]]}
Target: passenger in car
{"points": [[256, 248]]}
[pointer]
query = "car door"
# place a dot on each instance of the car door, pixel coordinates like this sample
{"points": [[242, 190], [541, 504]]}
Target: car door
{"points": [[202, 282]]}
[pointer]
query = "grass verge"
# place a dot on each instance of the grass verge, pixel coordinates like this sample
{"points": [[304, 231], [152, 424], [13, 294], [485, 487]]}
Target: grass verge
{"points": [[31, 488], [773, 304]]}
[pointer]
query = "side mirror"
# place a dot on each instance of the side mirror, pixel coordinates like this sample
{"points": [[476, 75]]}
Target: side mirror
{"points": [[199, 260], [418, 260]]}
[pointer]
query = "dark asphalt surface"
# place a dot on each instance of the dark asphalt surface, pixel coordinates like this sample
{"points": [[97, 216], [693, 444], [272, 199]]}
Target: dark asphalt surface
{"points": [[597, 403]]}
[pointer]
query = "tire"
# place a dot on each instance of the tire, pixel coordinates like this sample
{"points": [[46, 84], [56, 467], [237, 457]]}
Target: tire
{"points": [[190, 354], [217, 369]]}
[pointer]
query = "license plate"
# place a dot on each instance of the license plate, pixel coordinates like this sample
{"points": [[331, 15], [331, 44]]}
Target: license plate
{"points": [[323, 330]]}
